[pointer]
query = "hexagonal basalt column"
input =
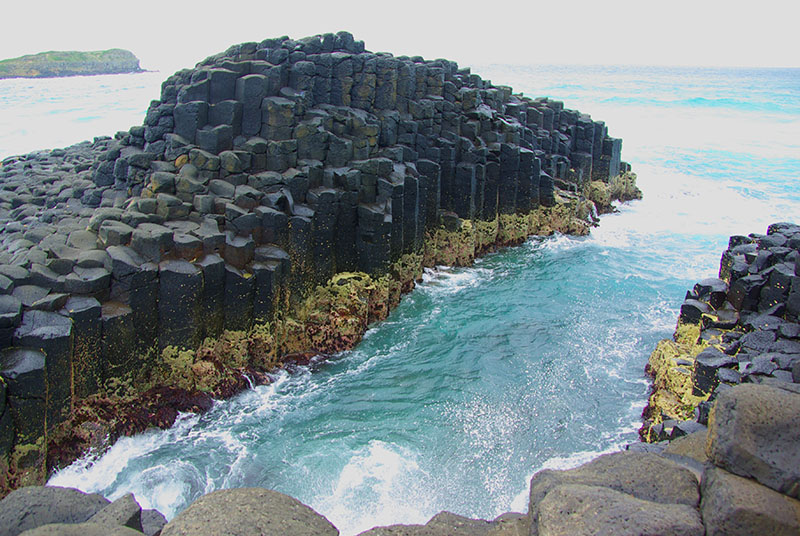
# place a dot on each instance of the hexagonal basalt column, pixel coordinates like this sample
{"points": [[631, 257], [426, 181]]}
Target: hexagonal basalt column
{"points": [[52, 334]]}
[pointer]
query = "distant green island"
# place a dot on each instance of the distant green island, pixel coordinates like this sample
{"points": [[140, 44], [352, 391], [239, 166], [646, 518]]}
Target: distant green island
{"points": [[55, 64]]}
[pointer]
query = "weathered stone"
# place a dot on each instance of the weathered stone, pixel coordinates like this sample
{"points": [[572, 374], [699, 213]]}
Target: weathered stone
{"points": [[633, 473], [754, 431], [87, 280], [86, 324], [23, 370], [239, 251], [179, 304], [577, 510], [692, 311], [745, 291], [153, 522], [736, 506], [238, 300], [691, 446], [151, 241], [52, 334], [81, 529], [125, 511], [213, 297], [246, 511], [706, 365], [443, 524], [34, 506], [10, 311]]}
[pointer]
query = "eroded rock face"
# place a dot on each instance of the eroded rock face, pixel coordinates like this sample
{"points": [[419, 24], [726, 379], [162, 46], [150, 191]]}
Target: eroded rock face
{"points": [[734, 506], [754, 432], [247, 511]]}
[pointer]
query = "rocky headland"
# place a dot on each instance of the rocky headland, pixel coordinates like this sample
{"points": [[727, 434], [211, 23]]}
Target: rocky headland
{"points": [[279, 198], [56, 64]]}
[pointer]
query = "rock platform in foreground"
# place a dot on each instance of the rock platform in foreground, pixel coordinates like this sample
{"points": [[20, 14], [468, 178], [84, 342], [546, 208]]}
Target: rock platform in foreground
{"points": [[268, 187]]}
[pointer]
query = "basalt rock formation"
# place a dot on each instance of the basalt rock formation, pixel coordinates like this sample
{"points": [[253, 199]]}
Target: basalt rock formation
{"points": [[278, 198], [743, 327]]}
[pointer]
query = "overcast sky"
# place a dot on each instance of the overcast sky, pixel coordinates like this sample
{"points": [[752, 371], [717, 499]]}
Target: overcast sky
{"points": [[170, 34]]}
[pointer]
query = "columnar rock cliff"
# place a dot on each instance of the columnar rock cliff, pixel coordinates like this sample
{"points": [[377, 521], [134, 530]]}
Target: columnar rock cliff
{"points": [[256, 178]]}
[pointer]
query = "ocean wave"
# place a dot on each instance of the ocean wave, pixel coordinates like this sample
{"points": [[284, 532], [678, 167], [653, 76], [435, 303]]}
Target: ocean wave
{"points": [[377, 486], [449, 280], [727, 103]]}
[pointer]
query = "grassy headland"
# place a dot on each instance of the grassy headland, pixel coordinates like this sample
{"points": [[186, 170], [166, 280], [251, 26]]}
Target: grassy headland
{"points": [[70, 63]]}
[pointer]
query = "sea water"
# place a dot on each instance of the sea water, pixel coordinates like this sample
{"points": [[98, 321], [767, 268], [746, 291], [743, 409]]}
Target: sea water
{"points": [[533, 358]]}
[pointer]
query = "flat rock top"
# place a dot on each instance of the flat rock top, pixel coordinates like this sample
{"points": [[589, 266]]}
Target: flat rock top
{"points": [[17, 361], [27, 508], [247, 511]]}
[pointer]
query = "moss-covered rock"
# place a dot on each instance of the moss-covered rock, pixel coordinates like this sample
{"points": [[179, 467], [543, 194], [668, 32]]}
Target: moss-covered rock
{"points": [[671, 365]]}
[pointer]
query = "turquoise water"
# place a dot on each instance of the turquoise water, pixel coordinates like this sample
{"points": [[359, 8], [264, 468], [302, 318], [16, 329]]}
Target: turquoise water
{"points": [[532, 358]]}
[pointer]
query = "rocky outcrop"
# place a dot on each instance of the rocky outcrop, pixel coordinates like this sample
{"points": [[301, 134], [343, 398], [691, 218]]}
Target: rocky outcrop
{"points": [[734, 506], [62, 63], [279, 197], [50, 510], [742, 327], [30, 507], [246, 511], [754, 431]]}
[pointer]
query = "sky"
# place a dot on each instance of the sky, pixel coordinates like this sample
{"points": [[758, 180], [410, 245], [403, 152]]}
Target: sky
{"points": [[168, 35]]}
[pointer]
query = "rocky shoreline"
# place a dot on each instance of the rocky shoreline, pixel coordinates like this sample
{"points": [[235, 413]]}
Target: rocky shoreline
{"points": [[737, 477], [279, 198]]}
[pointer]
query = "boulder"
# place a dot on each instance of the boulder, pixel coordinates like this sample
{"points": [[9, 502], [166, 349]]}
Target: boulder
{"points": [[643, 475], [754, 431], [152, 522], [80, 529], [247, 511], [734, 506], [577, 510], [691, 446], [447, 524], [30, 507], [125, 512]]}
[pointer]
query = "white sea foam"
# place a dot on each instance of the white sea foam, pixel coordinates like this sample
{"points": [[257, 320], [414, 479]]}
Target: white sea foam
{"points": [[448, 280], [569, 461], [93, 474], [375, 487]]}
